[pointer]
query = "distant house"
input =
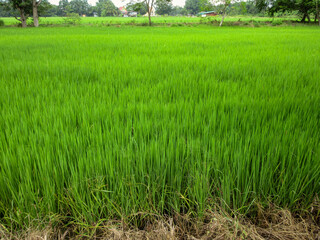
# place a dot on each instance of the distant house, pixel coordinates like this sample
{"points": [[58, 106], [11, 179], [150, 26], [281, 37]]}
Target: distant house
{"points": [[123, 11], [132, 14], [207, 14], [126, 13]]}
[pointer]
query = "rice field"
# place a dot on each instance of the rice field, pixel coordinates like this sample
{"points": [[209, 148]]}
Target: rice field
{"points": [[103, 123]]}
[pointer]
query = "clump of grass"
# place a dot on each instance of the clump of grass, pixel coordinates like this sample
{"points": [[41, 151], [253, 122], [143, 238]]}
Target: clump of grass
{"points": [[72, 18], [177, 25], [276, 22], [272, 223]]}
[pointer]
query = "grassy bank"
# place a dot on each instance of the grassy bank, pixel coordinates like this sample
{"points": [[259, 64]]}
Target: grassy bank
{"points": [[102, 124], [44, 21]]}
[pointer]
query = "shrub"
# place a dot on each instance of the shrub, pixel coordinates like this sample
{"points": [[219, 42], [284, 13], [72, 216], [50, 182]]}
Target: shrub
{"points": [[1, 23], [72, 18], [177, 25], [276, 22], [205, 20], [30, 22], [143, 24], [255, 23]]}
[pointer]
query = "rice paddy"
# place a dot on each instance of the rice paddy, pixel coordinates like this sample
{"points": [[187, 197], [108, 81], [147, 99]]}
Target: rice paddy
{"points": [[103, 123]]}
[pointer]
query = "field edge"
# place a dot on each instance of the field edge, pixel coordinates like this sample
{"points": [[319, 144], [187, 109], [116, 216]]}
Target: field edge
{"points": [[269, 223]]}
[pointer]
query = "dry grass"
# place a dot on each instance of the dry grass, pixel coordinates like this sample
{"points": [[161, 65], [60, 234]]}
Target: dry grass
{"points": [[274, 224]]}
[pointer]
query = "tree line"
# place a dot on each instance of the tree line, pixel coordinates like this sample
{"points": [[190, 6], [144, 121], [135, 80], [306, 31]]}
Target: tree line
{"points": [[104, 8], [23, 9]]}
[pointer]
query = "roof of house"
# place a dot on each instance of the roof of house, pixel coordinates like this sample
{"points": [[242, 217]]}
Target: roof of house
{"points": [[201, 13]]}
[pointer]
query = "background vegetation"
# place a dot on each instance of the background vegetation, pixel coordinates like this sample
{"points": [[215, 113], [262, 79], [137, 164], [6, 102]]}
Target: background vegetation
{"points": [[304, 10], [143, 21]]}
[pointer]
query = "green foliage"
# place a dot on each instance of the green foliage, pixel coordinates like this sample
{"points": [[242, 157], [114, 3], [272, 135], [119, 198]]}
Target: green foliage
{"points": [[243, 8], [276, 22], [233, 7], [204, 116], [139, 7], [177, 25], [302, 7], [256, 24], [178, 11], [6, 9], [79, 6], [1, 23], [92, 21], [72, 18], [64, 8], [163, 7], [107, 8], [193, 6], [21, 7]]}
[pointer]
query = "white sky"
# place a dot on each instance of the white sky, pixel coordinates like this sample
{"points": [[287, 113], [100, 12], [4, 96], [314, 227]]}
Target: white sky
{"points": [[120, 3]]}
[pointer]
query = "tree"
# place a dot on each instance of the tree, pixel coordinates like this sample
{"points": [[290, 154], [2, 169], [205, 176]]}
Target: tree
{"points": [[243, 8], [206, 6], [163, 7], [92, 10], [6, 9], [24, 8], [149, 4], [252, 8], [39, 7], [79, 6], [45, 8], [139, 7], [224, 4], [176, 10], [317, 11], [64, 8], [192, 6], [48, 10], [303, 7], [106, 8], [35, 5]]}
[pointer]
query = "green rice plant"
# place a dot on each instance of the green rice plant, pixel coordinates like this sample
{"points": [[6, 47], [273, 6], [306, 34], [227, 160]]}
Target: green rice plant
{"points": [[107, 123]]}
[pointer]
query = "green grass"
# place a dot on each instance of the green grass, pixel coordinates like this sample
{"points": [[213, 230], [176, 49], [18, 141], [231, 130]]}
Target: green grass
{"points": [[144, 20], [101, 123]]}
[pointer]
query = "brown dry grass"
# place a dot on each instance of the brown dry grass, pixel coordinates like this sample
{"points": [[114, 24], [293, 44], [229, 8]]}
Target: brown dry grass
{"points": [[274, 224]]}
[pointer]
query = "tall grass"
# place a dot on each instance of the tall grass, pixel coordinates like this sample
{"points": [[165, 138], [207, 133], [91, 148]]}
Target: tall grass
{"points": [[103, 123]]}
